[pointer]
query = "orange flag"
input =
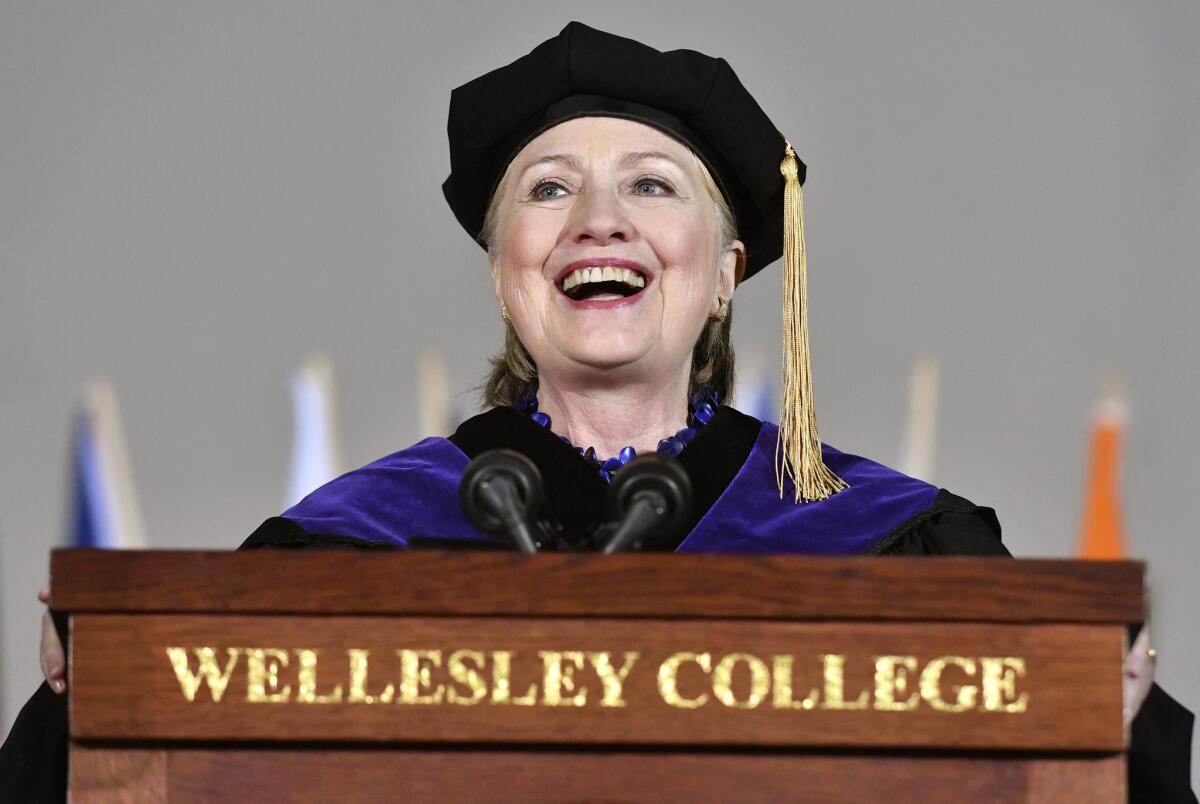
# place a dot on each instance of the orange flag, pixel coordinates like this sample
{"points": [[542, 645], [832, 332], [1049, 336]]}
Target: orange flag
{"points": [[1103, 535]]}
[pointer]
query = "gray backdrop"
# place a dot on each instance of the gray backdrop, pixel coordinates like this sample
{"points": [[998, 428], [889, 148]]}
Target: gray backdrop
{"points": [[192, 197]]}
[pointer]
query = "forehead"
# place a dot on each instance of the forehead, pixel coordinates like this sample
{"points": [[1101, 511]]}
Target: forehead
{"points": [[597, 139]]}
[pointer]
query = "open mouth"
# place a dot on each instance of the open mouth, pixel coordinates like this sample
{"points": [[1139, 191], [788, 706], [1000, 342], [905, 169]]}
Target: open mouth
{"points": [[602, 283]]}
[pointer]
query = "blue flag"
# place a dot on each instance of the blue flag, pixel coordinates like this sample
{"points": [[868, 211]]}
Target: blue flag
{"points": [[104, 509], [754, 393]]}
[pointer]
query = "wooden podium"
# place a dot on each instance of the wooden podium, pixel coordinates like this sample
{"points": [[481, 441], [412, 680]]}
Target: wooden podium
{"points": [[338, 675]]}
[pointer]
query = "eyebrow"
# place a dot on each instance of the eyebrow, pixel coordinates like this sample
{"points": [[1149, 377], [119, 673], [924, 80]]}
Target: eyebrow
{"points": [[634, 157], [627, 160], [567, 160]]}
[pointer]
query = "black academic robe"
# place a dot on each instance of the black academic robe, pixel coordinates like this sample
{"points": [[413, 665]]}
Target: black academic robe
{"points": [[410, 498]]}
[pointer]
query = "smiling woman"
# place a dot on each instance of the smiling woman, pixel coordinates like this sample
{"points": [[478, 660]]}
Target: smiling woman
{"points": [[622, 194], [671, 173], [608, 254]]}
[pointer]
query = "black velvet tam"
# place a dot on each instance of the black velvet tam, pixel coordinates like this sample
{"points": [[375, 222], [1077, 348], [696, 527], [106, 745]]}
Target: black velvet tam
{"points": [[583, 72]]}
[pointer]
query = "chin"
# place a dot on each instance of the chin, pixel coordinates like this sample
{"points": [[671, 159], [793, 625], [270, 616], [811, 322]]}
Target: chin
{"points": [[604, 356]]}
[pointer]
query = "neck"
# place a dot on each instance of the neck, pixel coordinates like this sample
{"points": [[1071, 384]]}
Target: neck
{"points": [[612, 418]]}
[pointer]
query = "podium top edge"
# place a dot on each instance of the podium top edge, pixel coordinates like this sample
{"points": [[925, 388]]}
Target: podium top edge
{"points": [[633, 585]]}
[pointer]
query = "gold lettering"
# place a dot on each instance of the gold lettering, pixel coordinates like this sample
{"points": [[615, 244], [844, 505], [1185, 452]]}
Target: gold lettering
{"points": [[262, 675], [208, 670], [891, 682], [306, 677], [501, 679], [558, 678], [668, 681], [358, 680], [781, 670], [722, 680], [999, 681], [612, 678], [931, 684], [466, 676], [415, 676], [835, 685]]}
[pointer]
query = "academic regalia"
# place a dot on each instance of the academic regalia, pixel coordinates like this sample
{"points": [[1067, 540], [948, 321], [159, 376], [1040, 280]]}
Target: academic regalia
{"points": [[835, 503], [413, 495]]}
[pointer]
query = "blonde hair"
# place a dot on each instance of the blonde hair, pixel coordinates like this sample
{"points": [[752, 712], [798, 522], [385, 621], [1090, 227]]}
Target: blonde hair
{"points": [[513, 374]]}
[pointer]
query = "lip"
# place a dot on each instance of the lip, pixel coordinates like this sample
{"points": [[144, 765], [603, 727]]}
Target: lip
{"points": [[601, 262]]}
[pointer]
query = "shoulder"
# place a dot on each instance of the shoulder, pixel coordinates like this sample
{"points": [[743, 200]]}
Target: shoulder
{"points": [[942, 524], [939, 521], [952, 525], [881, 511], [407, 494]]}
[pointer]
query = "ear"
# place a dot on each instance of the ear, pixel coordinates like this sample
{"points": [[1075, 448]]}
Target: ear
{"points": [[730, 270]]}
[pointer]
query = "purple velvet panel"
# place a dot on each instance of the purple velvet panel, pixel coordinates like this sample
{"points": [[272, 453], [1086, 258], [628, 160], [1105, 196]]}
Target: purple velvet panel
{"points": [[407, 494], [414, 492], [751, 518]]}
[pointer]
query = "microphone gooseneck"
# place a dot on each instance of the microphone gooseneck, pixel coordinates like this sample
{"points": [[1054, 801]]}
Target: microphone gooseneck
{"points": [[501, 493], [649, 498]]}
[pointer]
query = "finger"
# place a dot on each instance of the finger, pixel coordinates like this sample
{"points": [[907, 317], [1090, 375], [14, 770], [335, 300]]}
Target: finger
{"points": [[44, 594], [1139, 653], [52, 660], [42, 651], [1142, 643]]}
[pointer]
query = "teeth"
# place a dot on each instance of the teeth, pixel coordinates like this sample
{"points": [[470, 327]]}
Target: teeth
{"points": [[632, 279], [605, 273]]}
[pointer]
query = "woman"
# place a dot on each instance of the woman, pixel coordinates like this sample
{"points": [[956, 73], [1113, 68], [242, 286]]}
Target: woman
{"points": [[622, 194]]}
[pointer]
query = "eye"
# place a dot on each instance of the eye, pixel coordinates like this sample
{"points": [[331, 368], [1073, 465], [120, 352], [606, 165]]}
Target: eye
{"points": [[547, 190], [648, 185]]}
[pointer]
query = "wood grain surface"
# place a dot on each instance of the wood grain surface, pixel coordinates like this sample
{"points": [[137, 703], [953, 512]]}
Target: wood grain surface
{"points": [[630, 585], [199, 775], [123, 684], [117, 775]]}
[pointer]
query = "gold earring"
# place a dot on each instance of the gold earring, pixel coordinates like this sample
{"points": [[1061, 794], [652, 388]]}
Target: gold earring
{"points": [[504, 314], [722, 310]]}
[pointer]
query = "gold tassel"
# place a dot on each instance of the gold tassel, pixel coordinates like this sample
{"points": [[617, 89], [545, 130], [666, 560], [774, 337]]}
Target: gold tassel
{"points": [[798, 450]]}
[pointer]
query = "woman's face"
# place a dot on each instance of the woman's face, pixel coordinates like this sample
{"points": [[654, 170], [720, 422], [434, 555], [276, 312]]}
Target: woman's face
{"points": [[607, 252]]}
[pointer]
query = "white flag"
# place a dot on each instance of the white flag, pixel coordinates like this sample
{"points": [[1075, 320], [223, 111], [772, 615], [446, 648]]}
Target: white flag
{"points": [[316, 454], [433, 396], [920, 438]]}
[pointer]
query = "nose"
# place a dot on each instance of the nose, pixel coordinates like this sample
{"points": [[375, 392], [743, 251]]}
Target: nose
{"points": [[598, 219]]}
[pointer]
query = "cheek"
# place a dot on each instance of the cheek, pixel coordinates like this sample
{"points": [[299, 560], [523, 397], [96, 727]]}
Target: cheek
{"points": [[524, 243], [528, 236], [688, 253]]}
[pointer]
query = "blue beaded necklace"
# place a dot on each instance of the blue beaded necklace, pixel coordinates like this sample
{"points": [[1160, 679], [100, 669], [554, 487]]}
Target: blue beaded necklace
{"points": [[701, 409]]}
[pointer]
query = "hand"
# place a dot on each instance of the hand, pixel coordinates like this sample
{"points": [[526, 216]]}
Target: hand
{"points": [[1139, 674], [54, 663]]}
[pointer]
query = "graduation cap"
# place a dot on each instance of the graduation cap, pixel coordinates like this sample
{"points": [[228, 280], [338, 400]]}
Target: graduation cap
{"points": [[699, 101]]}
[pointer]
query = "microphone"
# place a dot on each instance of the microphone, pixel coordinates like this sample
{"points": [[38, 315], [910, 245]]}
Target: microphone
{"points": [[649, 495], [501, 493]]}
